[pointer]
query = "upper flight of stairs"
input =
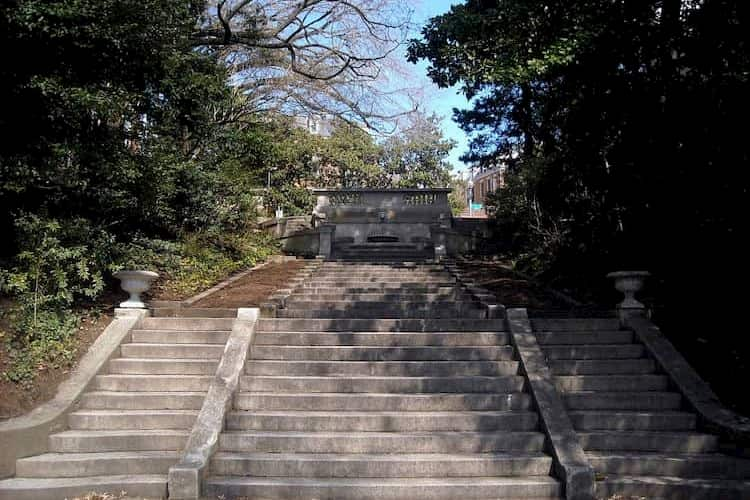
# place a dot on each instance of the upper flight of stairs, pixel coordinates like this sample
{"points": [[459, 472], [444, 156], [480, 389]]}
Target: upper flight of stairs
{"points": [[134, 420], [352, 405], [634, 427]]}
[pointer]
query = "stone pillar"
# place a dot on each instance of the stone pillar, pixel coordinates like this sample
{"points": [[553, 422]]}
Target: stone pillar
{"points": [[326, 240]]}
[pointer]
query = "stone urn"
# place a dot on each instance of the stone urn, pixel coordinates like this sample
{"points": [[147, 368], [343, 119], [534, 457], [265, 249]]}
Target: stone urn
{"points": [[629, 283], [135, 283]]}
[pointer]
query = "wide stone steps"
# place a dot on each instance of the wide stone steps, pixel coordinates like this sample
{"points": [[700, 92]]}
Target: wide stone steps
{"points": [[379, 325], [635, 433], [369, 288], [162, 366], [633, 420], [378, 353], [184, 351], [380, 442], [369, 384], [96, 464], [385, 339], [304, 299], [672, 488], [135, 417], [382, 401], [507, 488], [382, 368], [602, 366], [611, 383], [147, 383], [131, 419], [156, 400], [182, 324], [394, 312], [319, 465], [707, 465], [88, 441], [141, 485], [382, 421], [179, 337]]}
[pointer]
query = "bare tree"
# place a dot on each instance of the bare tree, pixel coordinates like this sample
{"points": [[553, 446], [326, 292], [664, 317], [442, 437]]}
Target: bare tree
{"points": [[329, 57]]}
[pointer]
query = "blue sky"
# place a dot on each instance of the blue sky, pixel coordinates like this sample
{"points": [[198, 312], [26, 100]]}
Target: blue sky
{"points": [[442, 101]]}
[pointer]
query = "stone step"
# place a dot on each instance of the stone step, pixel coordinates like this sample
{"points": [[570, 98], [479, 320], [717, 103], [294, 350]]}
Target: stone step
{"points": [[179, 337], [317, 289], [368, 384], [151, 383], [574, 324], [597, 337], [187, 324], [185, 351], [675, 442], [508, 488], [403, 305], [381, 402], [382, 368], [633, 420], [380, 442], [143, 486], [381, 282], [380, 325], [602, 366], [389, 339], [166, 366], [709, 465], [622, 400], [352, 421], [383, 313], [193, 312], [303, 299], [132, 419], [52, 465], [85, 441], [593, 351], [611, 383], [374, 274], [320, 465], [106, 400], [672, 488], [365, 353]]}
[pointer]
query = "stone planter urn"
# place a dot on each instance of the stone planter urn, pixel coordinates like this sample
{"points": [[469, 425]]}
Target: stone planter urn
{"points": [[135, 283], [629, 283]]}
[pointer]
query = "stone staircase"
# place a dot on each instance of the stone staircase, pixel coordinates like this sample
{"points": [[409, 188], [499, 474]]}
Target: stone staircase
{"points": [[357, 391], [134, 420], [637, 431], [382, 381]]}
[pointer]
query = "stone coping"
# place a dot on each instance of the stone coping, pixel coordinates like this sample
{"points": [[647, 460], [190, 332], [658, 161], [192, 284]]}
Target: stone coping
{"points": [[186, 477], [713, 416], [570, 462], [27, 435]]}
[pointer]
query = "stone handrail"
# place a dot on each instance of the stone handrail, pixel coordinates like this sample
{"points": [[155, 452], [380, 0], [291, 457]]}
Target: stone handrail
{"points": [[570, 462], [186, 477], [27, 435], [713, 416]]}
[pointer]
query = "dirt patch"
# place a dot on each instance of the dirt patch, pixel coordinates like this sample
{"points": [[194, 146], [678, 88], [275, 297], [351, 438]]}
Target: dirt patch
{"points": [[17, 400], [513, 290], [254, 288]]}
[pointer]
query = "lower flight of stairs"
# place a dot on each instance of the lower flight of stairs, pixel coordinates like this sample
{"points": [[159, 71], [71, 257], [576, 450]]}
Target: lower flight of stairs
{"points": [[365, 407], [635, 428], [134, 420]]}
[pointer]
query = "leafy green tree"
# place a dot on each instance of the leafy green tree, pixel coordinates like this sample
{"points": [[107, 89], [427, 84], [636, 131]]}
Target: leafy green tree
{"points": [[417, 155]]}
